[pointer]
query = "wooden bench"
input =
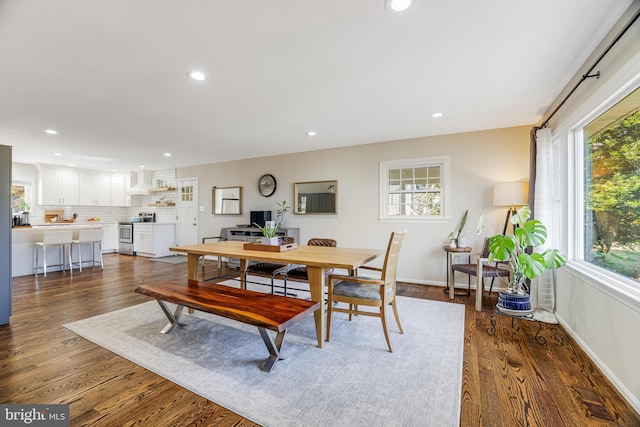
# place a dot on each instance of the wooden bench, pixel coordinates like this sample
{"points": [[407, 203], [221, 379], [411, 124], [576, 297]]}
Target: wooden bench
{"points": [[265, 311]]}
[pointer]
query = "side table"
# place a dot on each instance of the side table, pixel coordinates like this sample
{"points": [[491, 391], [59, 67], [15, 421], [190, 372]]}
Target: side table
{"points": [[451, 253]]}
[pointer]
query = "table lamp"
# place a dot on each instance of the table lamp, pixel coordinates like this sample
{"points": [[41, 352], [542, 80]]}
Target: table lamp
{"points": [[510, 194]]}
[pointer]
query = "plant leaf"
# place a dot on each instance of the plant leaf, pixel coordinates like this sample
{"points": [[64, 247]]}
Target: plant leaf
{"points": [[531, 233], [553, 259], [500, 247], [521, 216], [532, 265]]}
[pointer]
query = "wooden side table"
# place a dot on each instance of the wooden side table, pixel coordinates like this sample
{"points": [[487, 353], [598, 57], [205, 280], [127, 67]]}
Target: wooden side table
{"points": [[451, 253]]}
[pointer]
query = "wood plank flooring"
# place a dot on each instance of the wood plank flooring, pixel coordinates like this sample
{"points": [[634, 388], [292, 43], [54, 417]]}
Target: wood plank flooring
{"points": [[508, 379]]}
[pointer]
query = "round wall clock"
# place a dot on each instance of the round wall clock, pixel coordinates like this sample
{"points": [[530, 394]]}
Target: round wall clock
{"points": [[267, 185]]}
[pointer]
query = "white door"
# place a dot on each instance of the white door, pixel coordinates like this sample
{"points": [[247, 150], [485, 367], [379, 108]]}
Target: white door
{"points": [[187, 204]]}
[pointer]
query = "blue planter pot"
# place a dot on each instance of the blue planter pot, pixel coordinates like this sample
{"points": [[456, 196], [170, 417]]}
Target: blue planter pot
{"points": [[514, 302]]}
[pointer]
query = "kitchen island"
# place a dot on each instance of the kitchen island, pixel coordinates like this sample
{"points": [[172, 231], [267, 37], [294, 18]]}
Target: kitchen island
{"points": [[23, 244]]}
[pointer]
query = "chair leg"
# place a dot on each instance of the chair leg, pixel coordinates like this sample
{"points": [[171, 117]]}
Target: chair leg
{"points": [[395, 313], [80, 256], [100, 252], [383, 317], [44, 260], [70, 265], [329, 311]]}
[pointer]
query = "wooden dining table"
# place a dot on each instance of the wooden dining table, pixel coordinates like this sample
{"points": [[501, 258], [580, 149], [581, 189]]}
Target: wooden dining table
{"points": [[318, 260]]}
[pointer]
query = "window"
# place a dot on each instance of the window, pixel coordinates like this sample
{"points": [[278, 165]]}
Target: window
{"points": [[21, 197], [611, 188], [413, 189]]}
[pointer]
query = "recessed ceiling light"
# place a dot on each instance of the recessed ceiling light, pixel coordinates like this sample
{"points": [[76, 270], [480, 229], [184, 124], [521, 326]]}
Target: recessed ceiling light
{"points": [[397, 5], [57, 154], [311, 133], [197, 75], [141, 166], [167, 154], [51, 131], [436, 115]]}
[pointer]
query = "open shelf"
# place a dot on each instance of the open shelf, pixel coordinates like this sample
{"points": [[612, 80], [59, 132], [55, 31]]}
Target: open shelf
{"points": [[161, 189]]}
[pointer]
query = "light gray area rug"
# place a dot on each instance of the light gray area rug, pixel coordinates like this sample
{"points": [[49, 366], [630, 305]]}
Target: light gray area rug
{"points": [[352, 381]]}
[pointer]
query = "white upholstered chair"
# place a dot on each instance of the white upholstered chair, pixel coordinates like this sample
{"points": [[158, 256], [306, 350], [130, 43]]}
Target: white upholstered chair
{"points": [[57, 239]]}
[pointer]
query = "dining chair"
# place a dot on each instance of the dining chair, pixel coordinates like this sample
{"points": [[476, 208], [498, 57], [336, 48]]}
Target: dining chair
{"points": [[299, 273], [357, 291], [269, 269], [488, 270]]}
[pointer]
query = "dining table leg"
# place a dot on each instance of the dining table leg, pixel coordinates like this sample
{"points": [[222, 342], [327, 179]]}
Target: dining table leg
{"points": [[243, 269], [316, 286], [192, 266]]}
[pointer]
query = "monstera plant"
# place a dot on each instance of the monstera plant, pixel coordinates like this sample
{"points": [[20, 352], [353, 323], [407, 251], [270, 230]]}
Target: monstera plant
{"points": [[519, 250]]}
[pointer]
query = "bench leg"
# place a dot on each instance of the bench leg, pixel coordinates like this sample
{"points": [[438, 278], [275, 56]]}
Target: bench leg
{"points": [[273, 347], [173, 317]]}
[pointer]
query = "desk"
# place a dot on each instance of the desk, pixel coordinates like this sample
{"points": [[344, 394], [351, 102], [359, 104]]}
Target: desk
{"points": [[318, 259]]}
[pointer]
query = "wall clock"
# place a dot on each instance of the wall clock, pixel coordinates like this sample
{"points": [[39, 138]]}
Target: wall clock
{"points": [[267, 185]]}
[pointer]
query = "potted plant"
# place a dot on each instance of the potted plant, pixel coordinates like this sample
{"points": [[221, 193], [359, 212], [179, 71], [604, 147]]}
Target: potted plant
{"points": [[453, 241], [519, 250], [282, 209], [268, 233]]}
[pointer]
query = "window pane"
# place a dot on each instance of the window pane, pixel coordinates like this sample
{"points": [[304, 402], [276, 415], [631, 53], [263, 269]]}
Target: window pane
{"points": [[612, 188], [408, 188]]}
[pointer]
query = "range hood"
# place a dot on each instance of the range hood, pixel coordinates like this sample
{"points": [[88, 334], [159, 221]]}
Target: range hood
{"points": [[140, 183]]}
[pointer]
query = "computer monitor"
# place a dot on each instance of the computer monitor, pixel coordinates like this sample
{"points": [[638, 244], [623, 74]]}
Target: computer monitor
{"points": [[260, 217]]}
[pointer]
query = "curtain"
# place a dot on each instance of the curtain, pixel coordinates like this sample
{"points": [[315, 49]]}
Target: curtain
{"points": [[542, 192]]}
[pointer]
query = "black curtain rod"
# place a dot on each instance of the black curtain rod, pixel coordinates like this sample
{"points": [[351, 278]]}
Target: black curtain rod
{"points": [[588, 74]]}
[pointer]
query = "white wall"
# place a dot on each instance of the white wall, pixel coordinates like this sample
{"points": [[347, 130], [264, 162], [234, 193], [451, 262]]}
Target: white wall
{"points": [[478, 160], [601, 313]]}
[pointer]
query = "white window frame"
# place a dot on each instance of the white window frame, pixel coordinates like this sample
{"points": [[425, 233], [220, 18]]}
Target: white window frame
{"points": [[616, 285], [30, 188], [386, 165]]}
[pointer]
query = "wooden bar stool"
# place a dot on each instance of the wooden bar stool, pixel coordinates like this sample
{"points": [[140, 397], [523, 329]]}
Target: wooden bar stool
{"points": [[91, 238], [59, 239]]}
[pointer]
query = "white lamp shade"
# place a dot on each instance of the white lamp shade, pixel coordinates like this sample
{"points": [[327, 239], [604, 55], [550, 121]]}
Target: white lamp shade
{"points": [[511, 193]]}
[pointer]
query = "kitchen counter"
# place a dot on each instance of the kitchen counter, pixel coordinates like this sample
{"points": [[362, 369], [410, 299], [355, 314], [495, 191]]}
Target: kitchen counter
{"points": [[23, 242]]}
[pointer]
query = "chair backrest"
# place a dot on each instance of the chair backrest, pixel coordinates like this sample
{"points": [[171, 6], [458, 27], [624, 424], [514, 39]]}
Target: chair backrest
{"points": [[90, 235], [57, 237], [390, 265], [286, 240], [316, 241]]}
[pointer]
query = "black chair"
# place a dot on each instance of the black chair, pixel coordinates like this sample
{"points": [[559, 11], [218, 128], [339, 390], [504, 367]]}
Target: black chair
{"points": [[300, 274]]}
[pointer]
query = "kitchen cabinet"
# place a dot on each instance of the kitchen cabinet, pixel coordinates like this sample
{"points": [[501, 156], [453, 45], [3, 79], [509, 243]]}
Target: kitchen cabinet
{"points": [[153, 239], [102, 189], [59, 187], [109, 237]]}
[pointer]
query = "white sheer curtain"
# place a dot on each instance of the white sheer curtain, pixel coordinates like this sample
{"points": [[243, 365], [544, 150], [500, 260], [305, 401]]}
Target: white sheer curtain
{"points": [[543, 288]]}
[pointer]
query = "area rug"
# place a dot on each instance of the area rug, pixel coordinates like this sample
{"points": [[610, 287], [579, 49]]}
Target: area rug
{"points": [[352, 381], [170, 259]]}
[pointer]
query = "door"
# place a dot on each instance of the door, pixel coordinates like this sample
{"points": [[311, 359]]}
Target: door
{"points": [[187, 207]]}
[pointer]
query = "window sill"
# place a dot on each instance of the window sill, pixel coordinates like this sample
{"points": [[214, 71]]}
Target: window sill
{"points": [[413, 220], [620, 288]]}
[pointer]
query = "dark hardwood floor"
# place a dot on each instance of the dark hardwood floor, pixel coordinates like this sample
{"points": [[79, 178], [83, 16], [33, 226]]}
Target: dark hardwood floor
{"points": [[508, 379]]}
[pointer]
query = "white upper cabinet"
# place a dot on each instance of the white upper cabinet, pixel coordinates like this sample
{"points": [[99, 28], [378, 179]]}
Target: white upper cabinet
{"points": [[59, 186]]}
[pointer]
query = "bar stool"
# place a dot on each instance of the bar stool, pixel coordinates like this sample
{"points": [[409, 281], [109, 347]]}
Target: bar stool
{"points": [[60, 239], [89, 237]]}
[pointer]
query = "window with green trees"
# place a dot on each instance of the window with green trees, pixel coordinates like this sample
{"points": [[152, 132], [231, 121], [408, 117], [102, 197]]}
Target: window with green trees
{"points": [[612, 188]]}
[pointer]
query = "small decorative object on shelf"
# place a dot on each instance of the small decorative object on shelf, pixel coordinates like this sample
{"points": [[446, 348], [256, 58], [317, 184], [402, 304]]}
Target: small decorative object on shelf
{"points": [[512, 249]]}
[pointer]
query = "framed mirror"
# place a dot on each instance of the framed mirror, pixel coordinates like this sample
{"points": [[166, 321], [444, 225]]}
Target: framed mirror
{"points": [[317, 197], [227, 200]]}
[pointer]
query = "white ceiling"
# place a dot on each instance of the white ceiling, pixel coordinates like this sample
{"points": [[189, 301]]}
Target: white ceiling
{"points": [[110, 75]]}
